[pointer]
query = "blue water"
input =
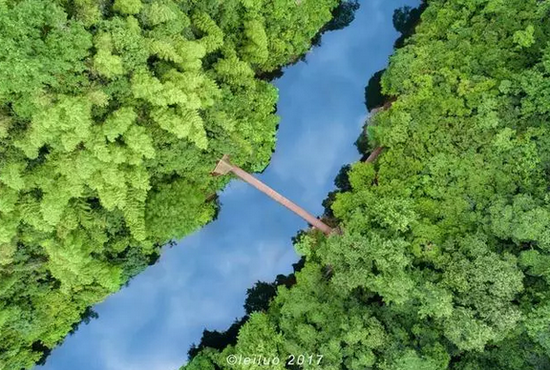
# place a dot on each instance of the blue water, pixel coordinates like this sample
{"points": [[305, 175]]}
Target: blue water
{"points": [[202, 281]]}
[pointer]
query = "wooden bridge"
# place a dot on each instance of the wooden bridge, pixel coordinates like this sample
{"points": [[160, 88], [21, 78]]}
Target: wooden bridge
{"points": [[225, 166]]}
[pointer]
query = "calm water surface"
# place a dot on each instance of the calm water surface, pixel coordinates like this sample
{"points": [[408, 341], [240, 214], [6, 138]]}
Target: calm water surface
{"points": [[202, 282]]}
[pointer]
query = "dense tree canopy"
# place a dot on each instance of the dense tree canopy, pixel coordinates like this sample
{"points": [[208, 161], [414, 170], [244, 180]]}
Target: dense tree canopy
{"points": [[112, 115], [444, 261]]}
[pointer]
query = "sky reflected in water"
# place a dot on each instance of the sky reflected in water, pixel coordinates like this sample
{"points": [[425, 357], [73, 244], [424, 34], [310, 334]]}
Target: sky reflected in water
{"points": [[202, 281]]}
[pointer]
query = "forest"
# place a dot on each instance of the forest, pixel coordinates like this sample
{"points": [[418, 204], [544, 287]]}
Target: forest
{"points": [[444, 257], [112, 116]]}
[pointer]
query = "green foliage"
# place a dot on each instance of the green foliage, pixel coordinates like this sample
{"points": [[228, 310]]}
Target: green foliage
{"points": [[444, 259], [112, 115], [127, 6]]}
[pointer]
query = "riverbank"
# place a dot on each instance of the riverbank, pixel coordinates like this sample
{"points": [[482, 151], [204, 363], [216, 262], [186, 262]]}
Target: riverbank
{"points": [[443, 259], [202, 281]]}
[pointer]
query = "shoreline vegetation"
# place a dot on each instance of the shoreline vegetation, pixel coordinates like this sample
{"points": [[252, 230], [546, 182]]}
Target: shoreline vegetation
{"points": [[262, 293], [112, 115], [444, 261]]}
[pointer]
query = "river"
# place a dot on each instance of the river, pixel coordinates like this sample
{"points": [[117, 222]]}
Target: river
{"points": [[202, 281]]}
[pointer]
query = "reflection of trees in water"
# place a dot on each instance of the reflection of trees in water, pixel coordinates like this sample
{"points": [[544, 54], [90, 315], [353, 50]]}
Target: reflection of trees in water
{"points": [[373, 92], [342, 15], [257, 299], [342, 184], [85, 318], [405, 20]]}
